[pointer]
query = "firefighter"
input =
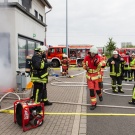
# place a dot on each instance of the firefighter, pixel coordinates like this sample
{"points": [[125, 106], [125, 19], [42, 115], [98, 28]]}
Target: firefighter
{"points": [[65, 64], [115, 64], [132, 65], [127, 69], [133, 97], [39, 75], [104, 57], [92, 65], [103, 60]]}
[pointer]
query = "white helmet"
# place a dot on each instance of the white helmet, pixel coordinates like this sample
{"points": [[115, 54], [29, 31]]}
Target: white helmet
{"points": [[44, 48], [133, 54], [94, 49], [115, 52], [41, 48], [64, 55]]}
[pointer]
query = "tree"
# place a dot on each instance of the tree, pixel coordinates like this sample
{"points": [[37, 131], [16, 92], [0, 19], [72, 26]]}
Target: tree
{"points": [[110, 46]]}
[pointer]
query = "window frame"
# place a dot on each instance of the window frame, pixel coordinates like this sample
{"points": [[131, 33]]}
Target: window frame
{"points": [[36, 13], [26, 51], [41, 17]]}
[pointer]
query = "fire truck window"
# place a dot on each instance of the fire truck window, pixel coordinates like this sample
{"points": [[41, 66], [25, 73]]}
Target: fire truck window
{"points": [[73, 54], [83, 51], [58, 50], [51, 50]]}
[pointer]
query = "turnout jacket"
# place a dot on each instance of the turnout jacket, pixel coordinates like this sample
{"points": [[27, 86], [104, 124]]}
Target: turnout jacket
{"points": [[117, 68], [39, 69]]}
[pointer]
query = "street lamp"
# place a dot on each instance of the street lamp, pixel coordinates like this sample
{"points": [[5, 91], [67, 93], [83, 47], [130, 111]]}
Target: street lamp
{"points": [[67, 27], [46, 25]]}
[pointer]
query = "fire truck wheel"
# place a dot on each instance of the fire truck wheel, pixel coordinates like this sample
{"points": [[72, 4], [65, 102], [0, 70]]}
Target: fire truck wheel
{"points": [[56, 63]]}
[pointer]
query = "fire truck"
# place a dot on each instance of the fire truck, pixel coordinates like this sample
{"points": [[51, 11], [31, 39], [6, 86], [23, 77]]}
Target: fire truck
{"points": [[123, 51], [76, 54]]}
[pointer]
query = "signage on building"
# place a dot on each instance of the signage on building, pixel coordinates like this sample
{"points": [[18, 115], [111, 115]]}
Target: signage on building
{"points": [[34, 35]]}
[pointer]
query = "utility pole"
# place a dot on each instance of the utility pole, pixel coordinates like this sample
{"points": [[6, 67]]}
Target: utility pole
{"points": [[67, 27], [46, 25]]}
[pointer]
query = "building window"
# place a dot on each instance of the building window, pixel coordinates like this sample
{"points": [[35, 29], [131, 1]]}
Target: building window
{"points": [[27, 4], [36, 13], [26, 47], [31, 47], [21, 52], [40, 17]]}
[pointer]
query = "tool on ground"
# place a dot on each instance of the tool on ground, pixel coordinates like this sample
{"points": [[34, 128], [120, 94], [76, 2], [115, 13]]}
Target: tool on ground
{"points": [[28, 114]]}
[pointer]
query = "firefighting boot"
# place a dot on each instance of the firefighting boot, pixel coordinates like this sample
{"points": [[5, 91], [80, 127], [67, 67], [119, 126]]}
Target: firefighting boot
{"points": [[120, 91], [115, 91], [92, 107], [132, 102], [47, 103], [100, 98]]}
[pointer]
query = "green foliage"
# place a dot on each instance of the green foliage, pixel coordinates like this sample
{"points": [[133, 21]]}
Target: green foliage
{"points": [[110, 46]]}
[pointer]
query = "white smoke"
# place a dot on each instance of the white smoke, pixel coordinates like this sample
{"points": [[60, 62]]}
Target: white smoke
{"points": [[6, 73]]}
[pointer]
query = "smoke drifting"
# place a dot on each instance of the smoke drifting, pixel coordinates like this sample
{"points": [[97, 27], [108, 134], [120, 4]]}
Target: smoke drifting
{"points": [[6, 72]]}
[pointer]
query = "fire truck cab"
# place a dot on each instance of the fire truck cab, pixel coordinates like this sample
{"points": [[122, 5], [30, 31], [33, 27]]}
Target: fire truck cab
{"points": [[76, 54]]}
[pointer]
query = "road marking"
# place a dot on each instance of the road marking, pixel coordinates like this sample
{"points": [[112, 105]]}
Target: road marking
{"points": [[120, 95], [80, 114]]}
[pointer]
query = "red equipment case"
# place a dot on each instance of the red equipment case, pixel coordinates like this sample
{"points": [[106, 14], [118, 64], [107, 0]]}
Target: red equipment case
{"points": [[26, 114]]}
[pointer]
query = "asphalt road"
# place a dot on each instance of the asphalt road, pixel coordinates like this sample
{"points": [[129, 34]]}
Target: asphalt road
{"points": [[112, 125]]}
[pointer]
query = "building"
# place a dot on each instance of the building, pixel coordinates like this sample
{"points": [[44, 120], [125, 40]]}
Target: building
{"points": [[22, 28], [126, 44]]}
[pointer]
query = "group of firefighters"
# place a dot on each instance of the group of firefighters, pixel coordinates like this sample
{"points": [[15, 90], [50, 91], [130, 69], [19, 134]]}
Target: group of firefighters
{"points": [[94, 65], [120, 69]]}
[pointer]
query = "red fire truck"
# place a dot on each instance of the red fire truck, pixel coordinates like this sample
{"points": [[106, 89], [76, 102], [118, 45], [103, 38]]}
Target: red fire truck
{"points": [[123, 51], [76, 54]]}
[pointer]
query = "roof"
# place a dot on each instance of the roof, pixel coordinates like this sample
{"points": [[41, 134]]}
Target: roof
{"points": [[80, 47], [46, 3], [73, 46]]}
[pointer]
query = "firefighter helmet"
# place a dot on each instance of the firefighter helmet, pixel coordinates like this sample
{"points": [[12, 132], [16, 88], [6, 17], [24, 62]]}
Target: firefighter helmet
{"points": [[115, 52], [93, 49], [41, 48]]}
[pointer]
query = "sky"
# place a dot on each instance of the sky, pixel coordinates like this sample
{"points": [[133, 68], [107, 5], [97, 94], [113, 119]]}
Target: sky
{"points": [[91, 22]]}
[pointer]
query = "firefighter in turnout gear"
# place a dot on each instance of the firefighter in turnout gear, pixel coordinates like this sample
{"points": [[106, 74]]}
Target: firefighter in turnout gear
{"points": [[104, 57], [39, 75], [65, 64], [127, 69], [133, 97], [115, 64], [132, 65], [92, 65]]}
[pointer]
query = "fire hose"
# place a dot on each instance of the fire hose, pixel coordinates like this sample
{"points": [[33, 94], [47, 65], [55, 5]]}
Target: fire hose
{"points": [[66, 84]]}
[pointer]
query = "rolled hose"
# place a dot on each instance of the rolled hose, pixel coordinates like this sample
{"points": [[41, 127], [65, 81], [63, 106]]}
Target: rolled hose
{"points": [[4, 97]]}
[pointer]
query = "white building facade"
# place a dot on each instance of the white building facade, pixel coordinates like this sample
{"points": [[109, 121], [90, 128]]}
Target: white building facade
{"points": [[22, 28]]}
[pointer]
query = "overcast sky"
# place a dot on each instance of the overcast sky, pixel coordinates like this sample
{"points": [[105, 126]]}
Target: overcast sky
{"points": [[91, 22]]}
